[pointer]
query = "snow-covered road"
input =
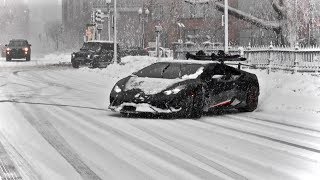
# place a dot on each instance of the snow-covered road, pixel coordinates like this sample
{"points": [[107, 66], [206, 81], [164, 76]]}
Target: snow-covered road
{"points": [[54, 124]]}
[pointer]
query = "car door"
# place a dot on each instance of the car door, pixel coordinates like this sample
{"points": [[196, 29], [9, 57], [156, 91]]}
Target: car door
{"points": [[231, 81], [221, 85]]}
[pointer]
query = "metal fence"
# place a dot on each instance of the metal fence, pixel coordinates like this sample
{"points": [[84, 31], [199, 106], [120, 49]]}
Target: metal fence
{"points": [[296, 59]]}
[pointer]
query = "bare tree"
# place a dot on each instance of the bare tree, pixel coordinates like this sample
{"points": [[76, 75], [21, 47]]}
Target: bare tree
{"points": [[289, 21]]}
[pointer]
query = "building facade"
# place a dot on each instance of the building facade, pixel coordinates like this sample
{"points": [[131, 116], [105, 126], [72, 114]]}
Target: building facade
{"points": [[200, 22], [77, 13]]}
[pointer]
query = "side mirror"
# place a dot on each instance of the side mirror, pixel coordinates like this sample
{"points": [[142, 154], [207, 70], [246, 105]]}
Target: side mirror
{"points": [[30, 45], [6, 45]]}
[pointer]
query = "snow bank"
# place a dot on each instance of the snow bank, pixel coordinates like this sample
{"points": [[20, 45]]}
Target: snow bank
{"points": [[49, 59], [283, 91]]}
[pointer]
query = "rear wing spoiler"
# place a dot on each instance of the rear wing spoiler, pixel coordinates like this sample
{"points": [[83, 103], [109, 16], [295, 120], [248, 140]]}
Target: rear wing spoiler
{"points": [[221, 57], [241, 64]]}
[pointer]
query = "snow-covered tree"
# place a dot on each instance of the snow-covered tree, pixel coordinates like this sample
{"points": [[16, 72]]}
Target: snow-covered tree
{"points": [[290, 21]]}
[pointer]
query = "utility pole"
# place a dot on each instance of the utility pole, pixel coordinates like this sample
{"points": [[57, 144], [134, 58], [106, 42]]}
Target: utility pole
{"points": [[115, 55], [109, 24], [226, 27]]}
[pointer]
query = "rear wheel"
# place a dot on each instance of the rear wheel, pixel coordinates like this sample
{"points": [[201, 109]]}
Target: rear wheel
{"points": [[252, 99], [95, 64]]}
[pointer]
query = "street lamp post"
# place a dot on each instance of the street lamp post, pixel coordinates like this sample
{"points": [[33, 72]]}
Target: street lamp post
{"points": [[226, 27], [143, 17], [115, 50]]}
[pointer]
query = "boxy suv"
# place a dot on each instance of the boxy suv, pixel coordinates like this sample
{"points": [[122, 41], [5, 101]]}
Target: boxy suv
{"points": [[94, 53], [18, 49]]}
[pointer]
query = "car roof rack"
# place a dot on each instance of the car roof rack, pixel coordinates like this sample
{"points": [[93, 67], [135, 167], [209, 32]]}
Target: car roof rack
{"points": [[220, 56]]}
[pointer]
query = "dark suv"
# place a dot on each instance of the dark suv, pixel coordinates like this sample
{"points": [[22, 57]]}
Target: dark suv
{"points": [[18, 49], [94, 53]]}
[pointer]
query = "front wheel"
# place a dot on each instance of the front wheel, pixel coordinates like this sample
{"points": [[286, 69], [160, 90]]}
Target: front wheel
{"points": [[252, 99], [28, 58], [195, 106], [75, 64], [95, 64], [8, 59]]}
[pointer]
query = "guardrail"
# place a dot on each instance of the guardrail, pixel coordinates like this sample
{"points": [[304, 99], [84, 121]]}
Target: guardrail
{"points": [[295, 59]]}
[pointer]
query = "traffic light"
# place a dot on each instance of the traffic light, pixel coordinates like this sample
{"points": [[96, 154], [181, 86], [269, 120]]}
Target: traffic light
{"points": [[98, 16]]}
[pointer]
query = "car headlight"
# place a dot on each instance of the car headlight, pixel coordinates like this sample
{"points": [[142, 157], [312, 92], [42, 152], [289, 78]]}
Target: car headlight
{"points": [[8, 49], [117, 89], [26, 49], [89, 56], [174, 91], [73, 55]]}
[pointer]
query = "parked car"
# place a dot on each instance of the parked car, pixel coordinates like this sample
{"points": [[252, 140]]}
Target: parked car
{"points": [[18, 49], [186, 88], [94, 53]]}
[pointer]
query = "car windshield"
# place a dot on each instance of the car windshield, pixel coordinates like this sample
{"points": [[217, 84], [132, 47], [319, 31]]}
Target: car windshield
{"points": [[90, 46], [18, 43], [169, 70]]}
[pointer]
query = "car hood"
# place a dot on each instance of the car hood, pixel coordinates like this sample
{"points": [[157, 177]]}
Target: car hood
{"points": [[152, 86]]}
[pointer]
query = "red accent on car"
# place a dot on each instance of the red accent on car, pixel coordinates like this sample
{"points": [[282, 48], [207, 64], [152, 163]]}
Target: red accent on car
{"points": [[225, 103]]}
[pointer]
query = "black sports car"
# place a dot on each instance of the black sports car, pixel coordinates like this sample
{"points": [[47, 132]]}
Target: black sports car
{"points": [[185, 87]]}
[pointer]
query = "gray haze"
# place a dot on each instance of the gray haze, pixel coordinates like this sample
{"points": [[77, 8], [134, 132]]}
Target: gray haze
{"points": [[29, 19]]}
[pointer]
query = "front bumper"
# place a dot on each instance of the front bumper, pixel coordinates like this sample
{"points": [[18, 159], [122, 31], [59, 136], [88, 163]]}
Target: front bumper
{"points": [[142, 108], [81, 60], [158, 104], [17, 53]]}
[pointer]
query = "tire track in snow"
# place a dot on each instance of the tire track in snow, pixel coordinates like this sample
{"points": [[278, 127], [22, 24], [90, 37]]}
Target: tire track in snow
{"points": [[25, 169], [52, 136], [240, 163], [209, 162], [265, 137], [265, 143], [161, 152], [124, 154], [277, 122]]}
